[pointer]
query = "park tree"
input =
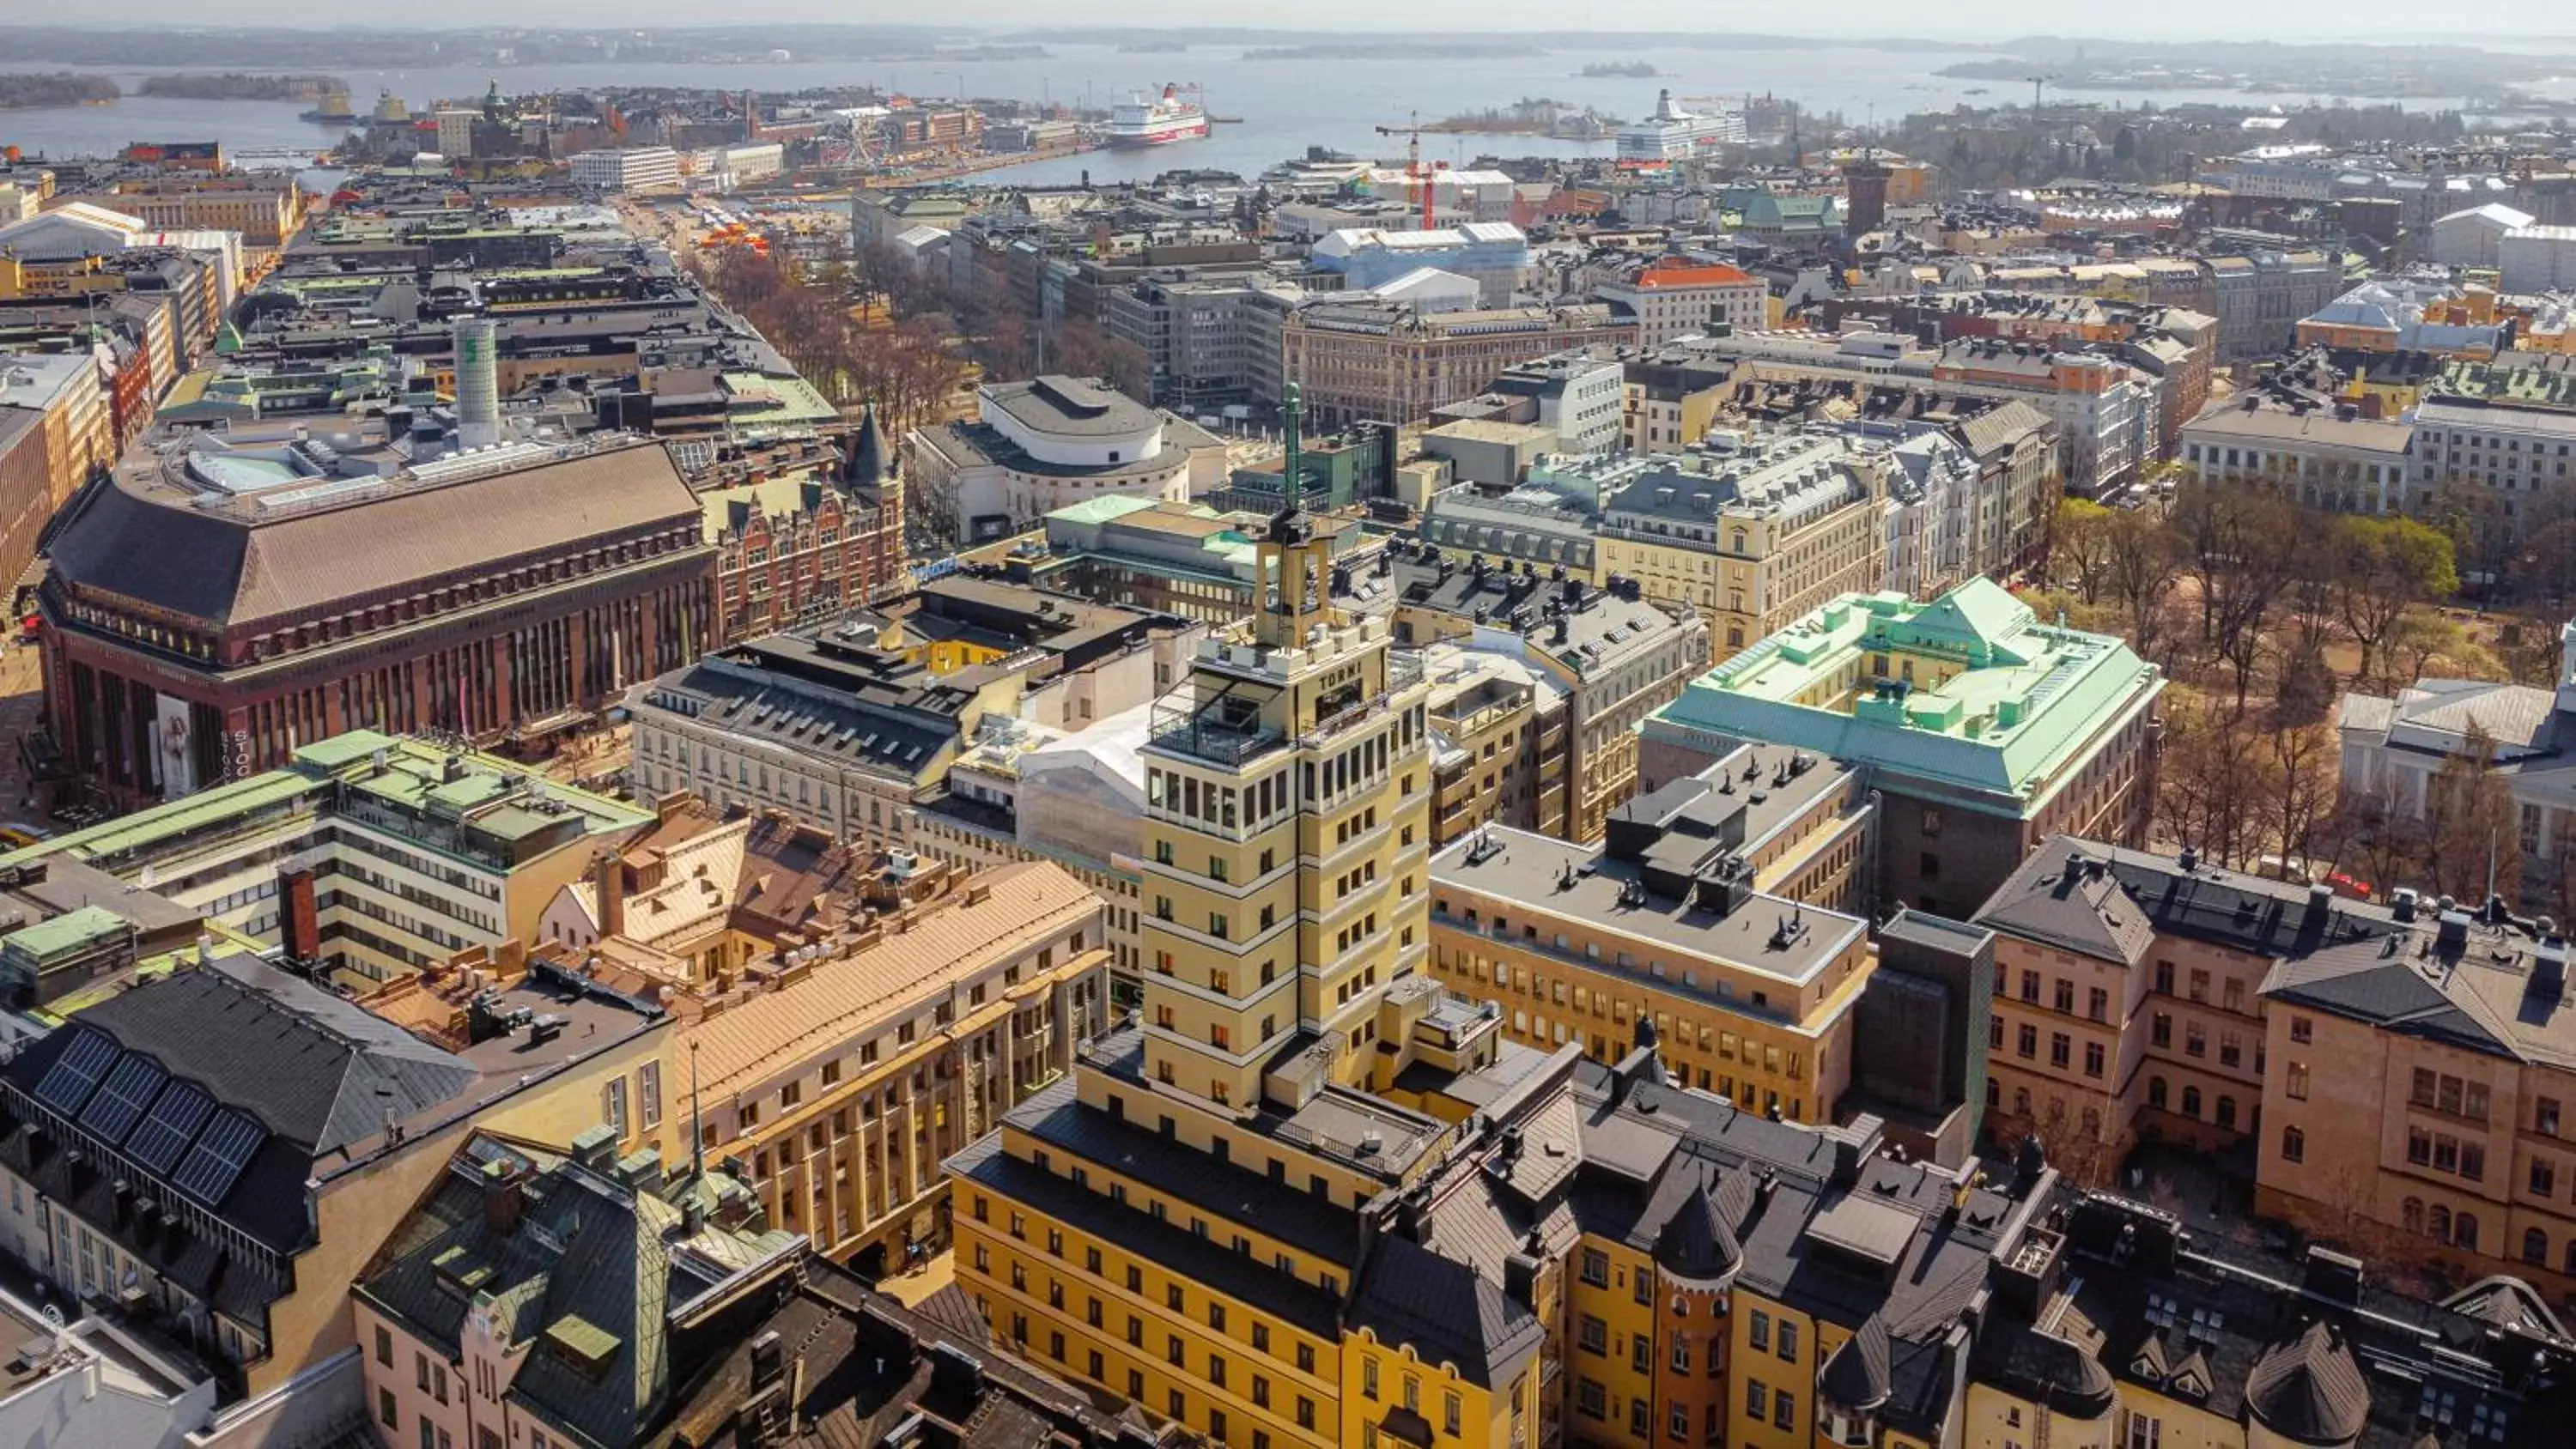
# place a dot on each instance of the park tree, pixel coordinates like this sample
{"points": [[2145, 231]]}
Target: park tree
{"points": [[2210, 793], [2140, 561], [2079, 540], [2384, 568], [2469, 827], [2239, 547]]}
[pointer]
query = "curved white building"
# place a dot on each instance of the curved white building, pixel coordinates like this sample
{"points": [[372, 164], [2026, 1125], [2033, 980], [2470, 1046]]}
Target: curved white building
{"points": [[1055, 441]]}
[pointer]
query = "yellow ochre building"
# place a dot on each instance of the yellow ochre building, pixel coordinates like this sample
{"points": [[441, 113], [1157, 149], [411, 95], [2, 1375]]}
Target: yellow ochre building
{"points": [[1311, 1198]]}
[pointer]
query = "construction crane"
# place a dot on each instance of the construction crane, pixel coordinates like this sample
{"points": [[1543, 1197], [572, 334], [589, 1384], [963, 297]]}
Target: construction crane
{"points": [[2036, 82], [1417, 179]]}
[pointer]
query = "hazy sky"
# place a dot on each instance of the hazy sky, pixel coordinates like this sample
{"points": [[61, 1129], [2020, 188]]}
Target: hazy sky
{"points": [[2288, 20]]}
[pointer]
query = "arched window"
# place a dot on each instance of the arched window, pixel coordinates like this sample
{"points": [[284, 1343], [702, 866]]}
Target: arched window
{"points": [[2535, 1246], [1994, 1094], [2092, 1122], [2437, 1224], [2464, 1230], [2021, 1101], [2226, 1111], [2156, 1093], [2567, 1264], [2412, 1215], [2191, 1102]]}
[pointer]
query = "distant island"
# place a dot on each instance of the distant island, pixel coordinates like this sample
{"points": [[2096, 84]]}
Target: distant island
{"points": [[1394, 50], [2261, 67], [236, 86], [19, 90], [1630, 69], [989, 52], [1530, 116]]}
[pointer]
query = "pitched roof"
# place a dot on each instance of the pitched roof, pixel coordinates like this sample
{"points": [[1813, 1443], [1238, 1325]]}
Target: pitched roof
{"points": [[1025, 903], [2308, 1387], [1697, 1244], [146, 540], [585, 1276], [1446, 1311], [1856, 1377]]}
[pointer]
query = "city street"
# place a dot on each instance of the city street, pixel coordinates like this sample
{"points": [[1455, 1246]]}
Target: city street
{"points": [[21, 703]]}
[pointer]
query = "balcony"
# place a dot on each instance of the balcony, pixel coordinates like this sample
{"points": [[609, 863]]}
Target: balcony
{"points": [[1227, 729]]}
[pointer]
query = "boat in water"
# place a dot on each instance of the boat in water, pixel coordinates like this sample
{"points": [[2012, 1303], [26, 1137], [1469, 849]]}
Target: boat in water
{"points": [[1172, 116], [331, 110], [1671, 131]]}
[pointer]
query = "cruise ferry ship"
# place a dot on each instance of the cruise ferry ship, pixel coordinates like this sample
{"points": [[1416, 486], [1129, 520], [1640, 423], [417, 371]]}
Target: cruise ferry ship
{"points": [[1671, 131], [1169, 117]]}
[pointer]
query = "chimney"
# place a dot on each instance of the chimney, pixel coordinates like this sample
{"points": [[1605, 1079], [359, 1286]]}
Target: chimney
{"points": [[2320, 906], [503, 1196], [2333, 1277], [608, 884]]}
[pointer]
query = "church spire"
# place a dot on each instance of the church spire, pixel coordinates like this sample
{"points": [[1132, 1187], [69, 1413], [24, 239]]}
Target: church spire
{"points": [[866, 467]]}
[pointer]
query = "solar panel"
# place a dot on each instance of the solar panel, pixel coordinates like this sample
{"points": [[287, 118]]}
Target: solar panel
{"points": [[123, 1096], [222, 1151], [68, 1080], [175, 1118]]}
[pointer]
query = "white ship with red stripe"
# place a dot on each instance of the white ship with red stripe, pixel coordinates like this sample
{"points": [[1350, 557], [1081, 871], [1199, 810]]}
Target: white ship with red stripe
{"points": [[1169, 117]]}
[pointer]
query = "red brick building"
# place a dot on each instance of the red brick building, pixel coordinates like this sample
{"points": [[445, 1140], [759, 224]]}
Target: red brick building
{"points": [[220, 600], [798, 549]]}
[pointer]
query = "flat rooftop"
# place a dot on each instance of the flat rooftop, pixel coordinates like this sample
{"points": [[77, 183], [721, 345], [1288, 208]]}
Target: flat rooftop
{"points": [[1550, 879], [1069, 406]]}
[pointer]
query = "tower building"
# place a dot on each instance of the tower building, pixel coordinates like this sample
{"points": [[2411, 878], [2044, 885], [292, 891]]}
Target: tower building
{"points": [[1288, 790]]}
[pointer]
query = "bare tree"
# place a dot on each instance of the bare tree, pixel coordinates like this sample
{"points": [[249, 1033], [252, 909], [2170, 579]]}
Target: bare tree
{"points": [[2240, 544], [2209, 786], [2469, 824]]}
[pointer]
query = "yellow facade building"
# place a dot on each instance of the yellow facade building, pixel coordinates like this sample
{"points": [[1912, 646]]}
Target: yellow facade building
{"points": [[1753, 539], [1312, 1198], [1715, 910]]}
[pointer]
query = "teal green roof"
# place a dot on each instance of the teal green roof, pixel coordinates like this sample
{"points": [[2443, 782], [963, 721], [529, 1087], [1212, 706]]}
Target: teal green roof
{"points": [[411, 780], [1998, 735], [145, 828], [67, 932], [1107, 509]]}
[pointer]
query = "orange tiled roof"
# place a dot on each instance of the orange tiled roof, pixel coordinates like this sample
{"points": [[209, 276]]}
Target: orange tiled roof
{"points": [[1674, 272]]}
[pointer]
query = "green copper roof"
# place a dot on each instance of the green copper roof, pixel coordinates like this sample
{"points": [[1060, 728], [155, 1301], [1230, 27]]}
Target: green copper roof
{"points": [[67, 932], [1106, 509], [411, 780], [2005, 707]]}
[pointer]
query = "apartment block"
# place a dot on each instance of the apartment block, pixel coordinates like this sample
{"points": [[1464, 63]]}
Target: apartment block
{"points": [[270, 1135], [2104, 408], [852, 725], [836, 1066], [1676, 296], [1616, 655], [369, 856], [2413, 1109], [1499, 743], [1702, 918], [622, 1280], [1752, 538], [1368, 360], [2129, 997], [2326, 456]]}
